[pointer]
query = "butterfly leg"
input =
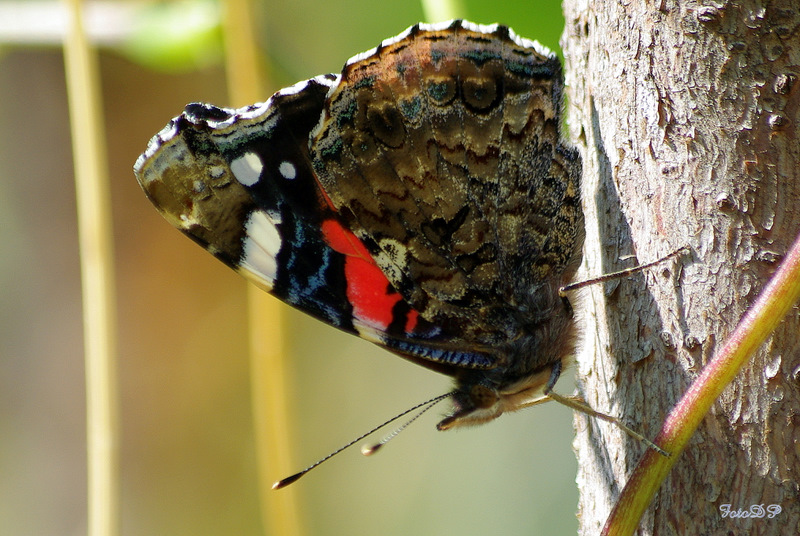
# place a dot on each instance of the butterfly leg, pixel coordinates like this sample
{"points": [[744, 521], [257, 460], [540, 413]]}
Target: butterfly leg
{"points": [[579, 404], [685, 250]]}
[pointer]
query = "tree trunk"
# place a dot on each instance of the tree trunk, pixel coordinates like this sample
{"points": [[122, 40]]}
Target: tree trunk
{"points": [[687, 116]]}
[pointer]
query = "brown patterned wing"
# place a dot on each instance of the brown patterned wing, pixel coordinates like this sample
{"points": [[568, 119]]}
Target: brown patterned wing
{"points": [[441, 151]]}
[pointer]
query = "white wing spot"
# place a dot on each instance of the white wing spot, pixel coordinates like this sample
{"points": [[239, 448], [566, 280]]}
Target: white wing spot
{"points": [[288, 170], [216, 172], [247, 168], [262, 243]]}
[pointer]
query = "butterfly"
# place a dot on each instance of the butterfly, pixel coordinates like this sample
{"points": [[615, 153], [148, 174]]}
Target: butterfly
{"points": [[423, 199]]}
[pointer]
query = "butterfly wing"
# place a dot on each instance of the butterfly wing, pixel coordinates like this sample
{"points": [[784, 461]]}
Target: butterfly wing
{"points": [[240, 183], [440, 150]]}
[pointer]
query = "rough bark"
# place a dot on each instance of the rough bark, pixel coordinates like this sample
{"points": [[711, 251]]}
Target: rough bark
{"points": [[687, 116]]}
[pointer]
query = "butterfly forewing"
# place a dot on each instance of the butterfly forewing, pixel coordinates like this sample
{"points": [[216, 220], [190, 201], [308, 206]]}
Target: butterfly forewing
{"points": [[240, 183]]}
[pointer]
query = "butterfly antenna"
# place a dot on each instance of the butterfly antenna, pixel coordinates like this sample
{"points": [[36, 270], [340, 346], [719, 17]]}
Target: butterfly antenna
{"points": [[428, 404], [369, 450]]}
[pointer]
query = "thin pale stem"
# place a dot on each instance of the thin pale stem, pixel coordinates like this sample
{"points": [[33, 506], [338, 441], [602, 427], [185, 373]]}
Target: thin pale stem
{"points": [[97, 276], [269, 371]]}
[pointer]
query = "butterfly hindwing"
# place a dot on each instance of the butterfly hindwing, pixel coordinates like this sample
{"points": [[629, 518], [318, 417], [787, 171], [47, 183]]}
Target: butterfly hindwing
{"points": [[441, 151]]}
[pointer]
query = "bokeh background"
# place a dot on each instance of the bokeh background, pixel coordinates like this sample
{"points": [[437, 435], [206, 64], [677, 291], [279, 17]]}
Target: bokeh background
{"points": [[188, 457]]}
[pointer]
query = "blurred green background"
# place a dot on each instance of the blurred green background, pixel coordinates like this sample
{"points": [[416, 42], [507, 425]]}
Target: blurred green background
{"points": [[188, 461]]}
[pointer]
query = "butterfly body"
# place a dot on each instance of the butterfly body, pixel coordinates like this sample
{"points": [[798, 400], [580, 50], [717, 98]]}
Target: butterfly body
{"points": [[422, 199]]}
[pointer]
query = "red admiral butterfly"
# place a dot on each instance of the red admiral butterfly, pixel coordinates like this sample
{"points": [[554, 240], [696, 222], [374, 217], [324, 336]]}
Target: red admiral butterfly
{"points": [[422, 199]]}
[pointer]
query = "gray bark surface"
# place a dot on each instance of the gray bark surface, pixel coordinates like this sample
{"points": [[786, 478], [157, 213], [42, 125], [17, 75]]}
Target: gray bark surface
{"points": [[687, 117]]}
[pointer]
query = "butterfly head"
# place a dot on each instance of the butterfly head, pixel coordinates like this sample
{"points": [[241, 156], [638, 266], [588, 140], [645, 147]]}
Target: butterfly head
{"points": [[477, 402]]}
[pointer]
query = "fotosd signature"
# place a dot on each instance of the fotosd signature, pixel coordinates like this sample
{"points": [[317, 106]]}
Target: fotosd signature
{"points": [[755, 511]]}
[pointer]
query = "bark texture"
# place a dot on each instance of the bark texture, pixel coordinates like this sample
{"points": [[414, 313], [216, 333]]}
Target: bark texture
{"points": [[687, 115]]}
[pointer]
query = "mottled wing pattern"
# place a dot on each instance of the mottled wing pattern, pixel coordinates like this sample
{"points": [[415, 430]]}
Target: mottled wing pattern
{"points": [[240, 183], [440, 150]]}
